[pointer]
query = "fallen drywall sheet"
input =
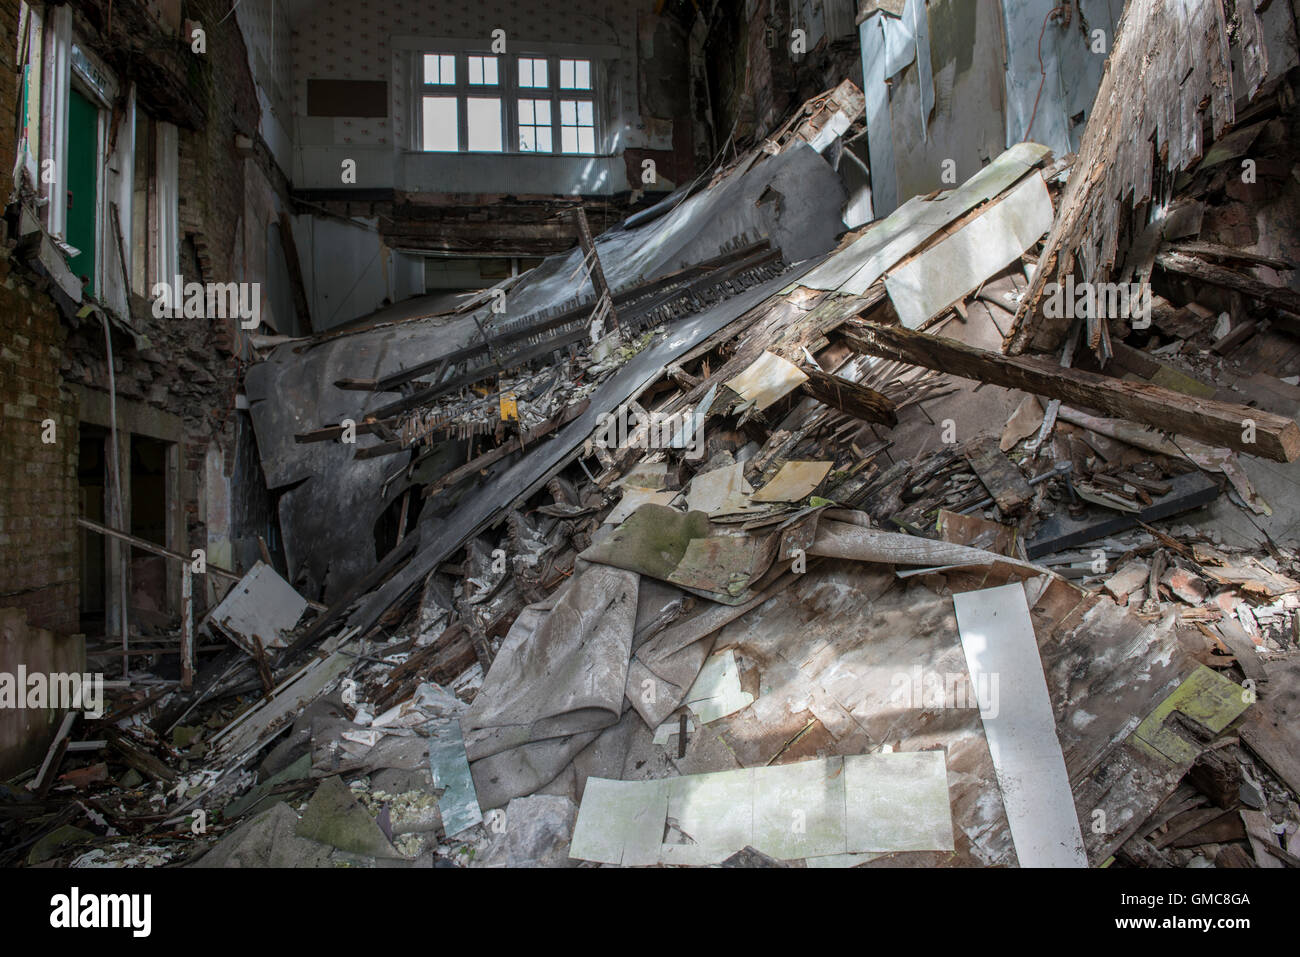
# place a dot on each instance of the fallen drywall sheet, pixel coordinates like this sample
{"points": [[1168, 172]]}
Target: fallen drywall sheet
{"points": [[262, 605], [857, 267], [1002, 653], [954, 267], [822, 808], [722, 491], [768, 379], [633, 498]]}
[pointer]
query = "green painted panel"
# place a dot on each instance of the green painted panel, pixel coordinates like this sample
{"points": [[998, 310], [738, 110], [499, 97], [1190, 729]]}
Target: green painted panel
{"points": [[83, 151]]}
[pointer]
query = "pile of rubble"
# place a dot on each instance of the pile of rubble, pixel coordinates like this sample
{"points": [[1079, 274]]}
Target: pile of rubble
{"points": [[764, 546]]}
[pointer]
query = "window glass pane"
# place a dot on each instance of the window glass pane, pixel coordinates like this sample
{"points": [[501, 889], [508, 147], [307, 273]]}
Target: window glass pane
{"points": [[543, 112], [526, 112], [544, 139], [483, 70], [584, 113], [527, 140], [532, 72], [439, 68], [441, 131], [568, 112], [483, 119], [569, 139], [575, 74], [586, 139]]}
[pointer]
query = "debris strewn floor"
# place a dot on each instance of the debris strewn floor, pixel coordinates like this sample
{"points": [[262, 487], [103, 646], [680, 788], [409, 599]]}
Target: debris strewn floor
{"points": [[778, 545]]}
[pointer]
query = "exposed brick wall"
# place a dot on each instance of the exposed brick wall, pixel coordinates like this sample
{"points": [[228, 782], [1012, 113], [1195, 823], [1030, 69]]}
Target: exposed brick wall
{"points": [[211, 168], [182, 366], [38, 492], [8, 77], [38, 487]]}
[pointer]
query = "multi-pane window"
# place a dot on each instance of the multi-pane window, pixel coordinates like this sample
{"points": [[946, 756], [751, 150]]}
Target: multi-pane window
{"points": [[577, 127], [535, 126], [480, 103]]}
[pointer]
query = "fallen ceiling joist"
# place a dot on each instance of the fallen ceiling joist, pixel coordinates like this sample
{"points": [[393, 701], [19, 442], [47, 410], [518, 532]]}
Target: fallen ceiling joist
{"points": [[1238, 427]]}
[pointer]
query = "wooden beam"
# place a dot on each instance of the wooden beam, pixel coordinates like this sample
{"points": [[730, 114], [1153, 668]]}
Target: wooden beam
{"points": [[1279, 297], [849, 397], [1219, 423]]}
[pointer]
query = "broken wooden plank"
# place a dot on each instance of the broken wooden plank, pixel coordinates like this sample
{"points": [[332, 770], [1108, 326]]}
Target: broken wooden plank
{"points": [[1269, 732], [1221, 423], [850, 397], [1002, 479], [53, 757]]}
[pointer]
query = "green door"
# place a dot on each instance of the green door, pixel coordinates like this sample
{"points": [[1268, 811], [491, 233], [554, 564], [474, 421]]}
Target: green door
{"points": [[83, 149]]}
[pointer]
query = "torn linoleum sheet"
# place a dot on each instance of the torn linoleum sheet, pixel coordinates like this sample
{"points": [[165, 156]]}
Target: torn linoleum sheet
{"points": [[820, 808]]}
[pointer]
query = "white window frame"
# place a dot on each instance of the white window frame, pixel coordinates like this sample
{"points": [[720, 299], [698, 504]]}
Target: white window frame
{"points": [[509, 91]]}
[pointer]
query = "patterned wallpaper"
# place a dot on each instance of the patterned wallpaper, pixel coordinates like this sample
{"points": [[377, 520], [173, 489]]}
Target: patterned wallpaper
{"points": [[346, 39]]}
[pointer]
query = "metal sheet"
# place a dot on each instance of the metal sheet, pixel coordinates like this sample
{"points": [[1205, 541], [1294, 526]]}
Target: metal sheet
{"points": [[1007, 674], [261, 604]]}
